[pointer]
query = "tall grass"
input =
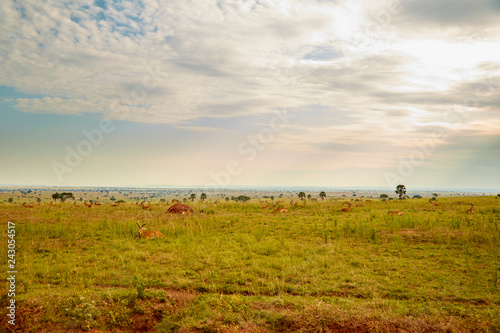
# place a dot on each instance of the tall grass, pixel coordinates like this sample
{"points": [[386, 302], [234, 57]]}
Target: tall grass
{"points": [[426, 257]]}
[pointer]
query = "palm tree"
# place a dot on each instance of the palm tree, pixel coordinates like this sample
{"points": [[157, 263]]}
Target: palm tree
{"points": [[322, 195]]}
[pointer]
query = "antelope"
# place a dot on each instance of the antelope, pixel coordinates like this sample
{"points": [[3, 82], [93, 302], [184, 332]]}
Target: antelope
{"points": [[88, 205], [395, 212], [27, 206], [216, 202], [146, 207], [74, 204], [96, 204], [346, 209], [434, 204], [266, 206], [279, 210], [471, 209], [175, 201], [147, 234], [115, 205]]}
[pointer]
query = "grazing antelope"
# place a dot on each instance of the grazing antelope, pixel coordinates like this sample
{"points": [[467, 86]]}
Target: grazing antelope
{"points": [[146, 207], [278, 209], [434, 204], [471, 209], [346, 209], [88, 205], [266, 206], [149, 233], [27, 206], [396, 212]]}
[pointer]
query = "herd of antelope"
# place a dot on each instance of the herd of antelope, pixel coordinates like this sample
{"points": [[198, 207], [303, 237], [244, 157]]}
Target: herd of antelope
{"points": [[277, 207], [178, 208]]}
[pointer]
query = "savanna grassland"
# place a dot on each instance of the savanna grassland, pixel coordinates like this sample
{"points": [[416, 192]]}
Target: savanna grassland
{"points": [[237, 267]]}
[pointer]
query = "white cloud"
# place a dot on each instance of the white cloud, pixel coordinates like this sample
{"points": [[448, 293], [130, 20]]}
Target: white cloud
{"points": [[233, 58]]}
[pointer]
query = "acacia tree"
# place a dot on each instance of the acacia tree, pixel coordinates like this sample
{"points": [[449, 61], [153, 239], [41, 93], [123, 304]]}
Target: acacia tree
{"points": [[193, 196], [203, 196], [301, 195], [62, 196], [322, 195], [401, 190]]}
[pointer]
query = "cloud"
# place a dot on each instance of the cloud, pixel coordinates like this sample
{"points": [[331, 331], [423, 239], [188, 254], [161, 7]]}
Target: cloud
{"points": [[181, 62]]}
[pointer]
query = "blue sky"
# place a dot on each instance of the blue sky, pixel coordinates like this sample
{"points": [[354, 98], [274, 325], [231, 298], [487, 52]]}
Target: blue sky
{"points": [[276, 93]]}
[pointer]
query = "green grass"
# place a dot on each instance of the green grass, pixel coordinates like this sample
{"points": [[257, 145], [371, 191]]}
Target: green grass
{"points": [[238, 266]]}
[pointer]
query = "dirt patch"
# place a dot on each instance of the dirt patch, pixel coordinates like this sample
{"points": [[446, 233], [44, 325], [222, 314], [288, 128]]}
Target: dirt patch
{"points": [[179, 208]]}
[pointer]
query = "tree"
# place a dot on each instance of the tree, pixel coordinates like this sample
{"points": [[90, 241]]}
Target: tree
{"points": [[400, 190], [272, 197], [322, 195], [62, 196], [193, 196], [301, 195], [227, 199], [243, 198], [384, 196], [38, 200], [10, 200], [203, 196], [309, 196]]}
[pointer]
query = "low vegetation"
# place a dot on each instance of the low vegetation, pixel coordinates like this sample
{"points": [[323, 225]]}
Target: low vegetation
{"points": [[235, 266]]}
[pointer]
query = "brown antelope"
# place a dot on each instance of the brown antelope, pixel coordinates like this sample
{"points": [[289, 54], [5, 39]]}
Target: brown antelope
{"points": [[216, 202], [434, 204], [115, 205], [146, 207], [346, 209], [278, 209], [88, 205], [396, 212], [27, 206], [266, 206], [175, 201], [142, 233], [74, 204], [471, 209], [96, 204]]}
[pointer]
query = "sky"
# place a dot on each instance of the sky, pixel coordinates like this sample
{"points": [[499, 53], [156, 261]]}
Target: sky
{"points": [[250, 93]]}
